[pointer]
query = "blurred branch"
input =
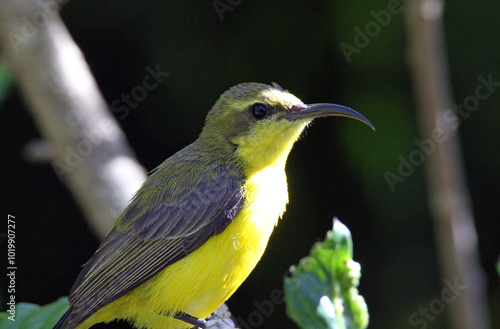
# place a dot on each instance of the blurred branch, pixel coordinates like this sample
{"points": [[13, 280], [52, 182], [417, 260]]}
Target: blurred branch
{"points": [[449, 199], [90, 152]]}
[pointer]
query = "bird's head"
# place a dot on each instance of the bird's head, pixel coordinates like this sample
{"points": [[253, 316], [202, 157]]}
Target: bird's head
{"points": [[259, 123]]}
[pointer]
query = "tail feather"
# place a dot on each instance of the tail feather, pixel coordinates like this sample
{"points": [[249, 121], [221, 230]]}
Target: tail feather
{"points": [[61, 324]]}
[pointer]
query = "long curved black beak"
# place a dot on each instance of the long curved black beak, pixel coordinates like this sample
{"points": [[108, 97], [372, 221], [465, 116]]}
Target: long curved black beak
{"points": [[312, 111]]}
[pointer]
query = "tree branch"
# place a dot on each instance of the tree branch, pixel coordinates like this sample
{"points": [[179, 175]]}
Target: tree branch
{"points": [[90, 152]]}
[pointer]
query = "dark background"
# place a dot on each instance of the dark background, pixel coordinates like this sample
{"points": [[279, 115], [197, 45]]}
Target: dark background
{"points": [[336, 170]]}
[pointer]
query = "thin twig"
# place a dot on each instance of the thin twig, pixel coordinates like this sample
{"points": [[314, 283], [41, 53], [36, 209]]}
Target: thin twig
{"points": [[449, 199]]}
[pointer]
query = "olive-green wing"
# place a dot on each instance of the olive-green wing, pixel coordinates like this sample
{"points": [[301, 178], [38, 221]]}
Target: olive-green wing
{"points": [[171, 216]]}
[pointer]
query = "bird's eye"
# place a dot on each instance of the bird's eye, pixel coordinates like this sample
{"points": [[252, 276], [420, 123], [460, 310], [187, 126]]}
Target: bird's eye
{"points": [[259, 111]]}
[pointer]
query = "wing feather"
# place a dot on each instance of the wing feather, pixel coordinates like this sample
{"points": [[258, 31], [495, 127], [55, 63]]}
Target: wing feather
{"points": [[188, 207]]}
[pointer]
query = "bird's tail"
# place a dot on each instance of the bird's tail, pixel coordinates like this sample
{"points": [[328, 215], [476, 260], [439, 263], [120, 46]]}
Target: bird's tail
{"points": [[61, 324]]}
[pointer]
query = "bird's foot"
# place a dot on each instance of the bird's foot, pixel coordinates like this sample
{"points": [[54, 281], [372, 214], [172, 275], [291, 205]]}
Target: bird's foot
{"points": [[197, 323]]}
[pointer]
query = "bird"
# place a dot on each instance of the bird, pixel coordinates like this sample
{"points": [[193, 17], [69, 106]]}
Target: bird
{"points": [[202, 219]]}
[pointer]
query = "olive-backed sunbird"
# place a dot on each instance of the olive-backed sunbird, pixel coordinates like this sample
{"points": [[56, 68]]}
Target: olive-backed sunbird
{"points": [[201, 221]]}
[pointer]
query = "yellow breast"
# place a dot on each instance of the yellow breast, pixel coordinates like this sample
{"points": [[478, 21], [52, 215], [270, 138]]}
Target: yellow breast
{"points": [[200, 283]]}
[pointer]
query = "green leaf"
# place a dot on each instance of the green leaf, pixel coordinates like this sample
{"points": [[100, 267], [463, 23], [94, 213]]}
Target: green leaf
{"points": [[32, 316], [322, 290]]}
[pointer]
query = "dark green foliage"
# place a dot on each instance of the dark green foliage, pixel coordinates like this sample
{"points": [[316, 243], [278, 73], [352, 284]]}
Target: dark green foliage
{"points": [[5, 81]]}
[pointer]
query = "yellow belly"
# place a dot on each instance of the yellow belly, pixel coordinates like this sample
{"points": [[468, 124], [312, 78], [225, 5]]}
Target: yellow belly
{"points": [[199, 283]]}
